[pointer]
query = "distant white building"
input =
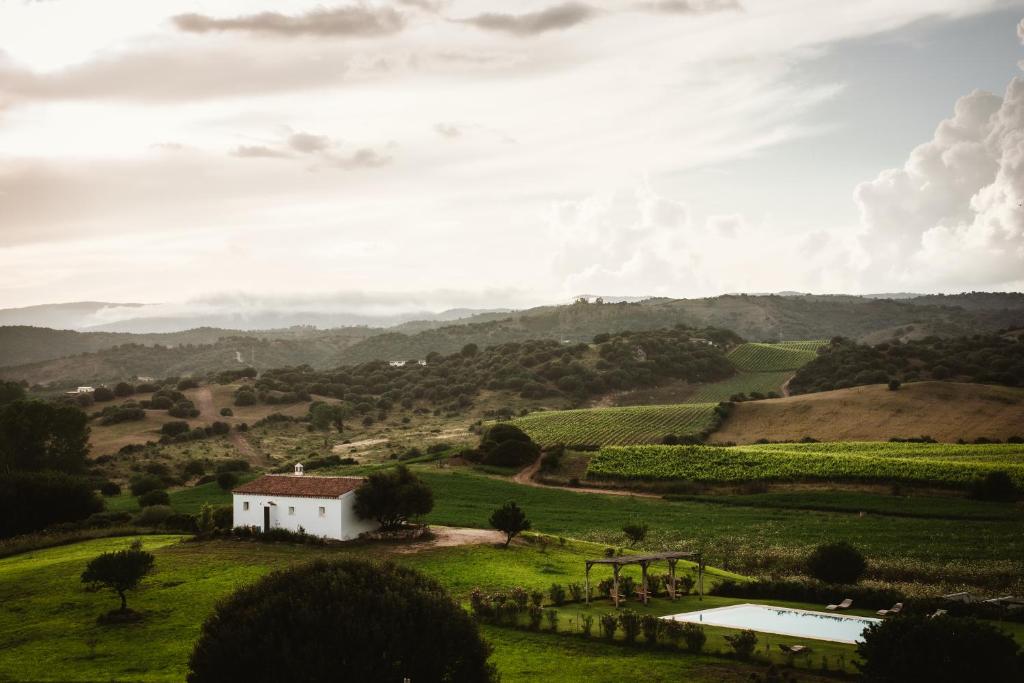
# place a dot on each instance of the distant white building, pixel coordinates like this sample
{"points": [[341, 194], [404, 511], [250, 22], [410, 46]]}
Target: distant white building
{"points": [[403, 363], [322, 506], [85, 390]]}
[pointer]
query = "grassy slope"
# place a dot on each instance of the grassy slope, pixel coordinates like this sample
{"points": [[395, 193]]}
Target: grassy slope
{"points": [[48, 618], [945, 411]]}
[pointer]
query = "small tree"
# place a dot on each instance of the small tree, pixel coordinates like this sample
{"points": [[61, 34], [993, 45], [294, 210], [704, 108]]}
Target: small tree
{"points": [[836, 563], [393, 498], [636, 531], [119, 571], [227, 480], [894, 384], [510, 520]]}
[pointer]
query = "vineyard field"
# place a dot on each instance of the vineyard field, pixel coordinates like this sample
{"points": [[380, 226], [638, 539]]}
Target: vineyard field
{"points": [[617, 426], [828, 462], [1001, 453], [758, 357], [742, 383]]}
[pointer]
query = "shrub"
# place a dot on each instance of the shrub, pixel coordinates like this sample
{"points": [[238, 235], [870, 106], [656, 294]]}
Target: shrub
{"points": [[686, 584], [511, 454], [219, 428], [154, 515], [575, 592], [110, 488], [194, 468], [552, 617], [996, 486], [122, 389], [233, 465], [102, 394], [187, 384], [30, 501], [510, 520], [609, 625], [557, 594], [635, 531], [175, 428], [145, 484], [915, 649], [226, 412], [836, 563], [227, 480], [122, 414], [651, 627], [586, 624], [894, 384], [245, 398], [154, 497], [328, 620], [223, 517], [534, 616], [119, 571], [394, 497], [743, 643], [693, 636], [630, 623]]}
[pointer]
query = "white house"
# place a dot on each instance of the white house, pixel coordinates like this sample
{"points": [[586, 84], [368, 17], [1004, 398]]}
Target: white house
{"points": [[322, 506]]}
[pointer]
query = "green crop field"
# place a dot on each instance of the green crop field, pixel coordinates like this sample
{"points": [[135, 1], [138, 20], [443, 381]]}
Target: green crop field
{"points": [[720, 464], [759, 357], [606, 426], [997, 453], [741, 383]]}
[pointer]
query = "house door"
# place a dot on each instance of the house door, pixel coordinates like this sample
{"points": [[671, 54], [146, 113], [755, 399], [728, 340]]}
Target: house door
{"points": [[266, 518]]}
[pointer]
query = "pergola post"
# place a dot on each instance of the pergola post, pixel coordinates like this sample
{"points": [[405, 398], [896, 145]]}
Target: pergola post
{"points": [[588, 582], [672, 579], [615, 584], [700, 575], [643, 581]]}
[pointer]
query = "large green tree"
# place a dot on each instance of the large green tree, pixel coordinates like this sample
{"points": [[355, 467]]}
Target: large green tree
{"points": [[119, 571], [393, 498], [35, 436]]}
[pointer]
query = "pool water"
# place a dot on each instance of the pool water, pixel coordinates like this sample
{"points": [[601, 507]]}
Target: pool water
{"points": [[784, 621]]}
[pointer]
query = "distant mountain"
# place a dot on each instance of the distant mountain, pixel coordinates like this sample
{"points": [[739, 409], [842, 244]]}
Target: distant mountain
{"points": [[70, 316]]}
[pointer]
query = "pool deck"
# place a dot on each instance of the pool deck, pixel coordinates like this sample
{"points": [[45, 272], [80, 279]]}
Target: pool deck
{"points": [[690, 617]]}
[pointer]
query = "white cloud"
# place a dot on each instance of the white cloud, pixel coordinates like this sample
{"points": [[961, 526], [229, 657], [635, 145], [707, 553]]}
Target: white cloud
{"points": [[952, 216]]}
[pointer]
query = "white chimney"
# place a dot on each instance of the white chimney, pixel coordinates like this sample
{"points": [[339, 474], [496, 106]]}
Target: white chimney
{"points": [[298, 469]]}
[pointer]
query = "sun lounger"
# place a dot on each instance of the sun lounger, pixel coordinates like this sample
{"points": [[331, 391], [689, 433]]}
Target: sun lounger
{"points": [[937, 613], [794, 649], [845, 604], [893, 611], [960, 597]]}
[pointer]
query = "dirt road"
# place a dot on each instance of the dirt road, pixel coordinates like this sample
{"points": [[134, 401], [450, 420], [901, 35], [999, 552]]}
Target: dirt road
{"points": [[451, 536], [525, 477]]}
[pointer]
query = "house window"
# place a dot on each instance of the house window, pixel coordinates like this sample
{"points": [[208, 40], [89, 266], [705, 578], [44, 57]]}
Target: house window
{"points": [[323, 511], [245, 505], [291, 510]]}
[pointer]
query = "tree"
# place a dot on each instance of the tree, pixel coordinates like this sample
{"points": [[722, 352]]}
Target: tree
{"points": [[30, 501], [154, 497], [174, 428], [347, 620], [894, 384], [636, 531], [119, 571], [836, 563], [915, 649], [38, 436], [393, 498], [505, 445], [510, 520], [323, 415], [102, 394], [122, 389], [10, 392], [227, 480]]}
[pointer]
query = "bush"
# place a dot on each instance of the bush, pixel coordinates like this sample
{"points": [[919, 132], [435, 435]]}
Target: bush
{"points": [[123, 414], [194, 468], [511, 454], [102, 394], [635, 531], [557, 594], [187, 384], [996, 486], [393, 497], [894, 384], [328, 620], [694, 637], [808, 591], [227, 412], [609, 625], [30, 501], [245, 398], [223, 517], [123, 389], [154, 515], [630, 623], [586, 624], [154, 497], [233, 465], [176, 428], [575, 592], [743, 643], [227, 480], [836, 563], [110, 488], [145, 484], [219, 428], [651, 627], [916, 649]]}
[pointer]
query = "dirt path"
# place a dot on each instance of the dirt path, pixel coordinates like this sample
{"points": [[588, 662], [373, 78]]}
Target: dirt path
{"points": [[525, 477], [785, 387], [451, 536], [204, 402]]}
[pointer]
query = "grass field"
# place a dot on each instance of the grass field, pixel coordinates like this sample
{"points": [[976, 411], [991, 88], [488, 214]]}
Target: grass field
{"points": [[627, 425], [760, 357], [824, 462]]}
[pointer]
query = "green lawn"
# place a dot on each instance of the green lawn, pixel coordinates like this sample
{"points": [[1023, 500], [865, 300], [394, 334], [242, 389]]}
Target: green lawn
{"points": [[185, 500]]}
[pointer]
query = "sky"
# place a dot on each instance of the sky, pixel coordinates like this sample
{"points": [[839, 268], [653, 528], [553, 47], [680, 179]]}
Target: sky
{"points": [[433, 153]]}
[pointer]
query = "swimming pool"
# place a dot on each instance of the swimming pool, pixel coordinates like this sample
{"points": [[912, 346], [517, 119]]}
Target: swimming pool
{"points": [[784, 621]]}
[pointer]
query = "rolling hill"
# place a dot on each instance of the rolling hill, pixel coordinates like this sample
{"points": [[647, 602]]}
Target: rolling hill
{"points": [[945, 411]]}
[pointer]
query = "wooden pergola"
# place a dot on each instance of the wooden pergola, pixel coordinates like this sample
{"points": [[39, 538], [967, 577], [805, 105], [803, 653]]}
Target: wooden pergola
{"points": [[645, 561]]}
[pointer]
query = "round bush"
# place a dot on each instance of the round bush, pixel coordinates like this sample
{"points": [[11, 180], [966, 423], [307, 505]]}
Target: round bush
{"points": [[836, 563], [227, 480], [154, 497], [174, 428], [145, 484], [154, 515], [512, 453], [110, 488], [347, 620]]}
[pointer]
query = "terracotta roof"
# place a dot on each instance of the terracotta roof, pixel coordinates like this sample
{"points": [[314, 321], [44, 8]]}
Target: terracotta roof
{"points": [[301, 486]]}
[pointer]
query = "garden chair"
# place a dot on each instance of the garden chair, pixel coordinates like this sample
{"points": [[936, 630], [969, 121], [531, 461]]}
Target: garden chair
{"points": [[891, 612], [794, 649], [845, 604], [937, 613]]}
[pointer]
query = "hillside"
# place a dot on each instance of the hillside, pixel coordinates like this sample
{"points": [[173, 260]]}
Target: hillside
{"points": [[946, 411]]}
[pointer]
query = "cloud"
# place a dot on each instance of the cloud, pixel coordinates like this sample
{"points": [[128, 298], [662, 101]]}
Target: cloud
{"points": [[308, 143], [447, 130], [258, 152], [553, 18], [952, 215], [690, 6], [353, 20], [361, 158], [1020, 30], [432, 6]]}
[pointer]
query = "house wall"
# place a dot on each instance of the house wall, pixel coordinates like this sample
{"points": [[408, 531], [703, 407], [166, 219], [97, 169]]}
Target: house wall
{"points": [[338, 522]]}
